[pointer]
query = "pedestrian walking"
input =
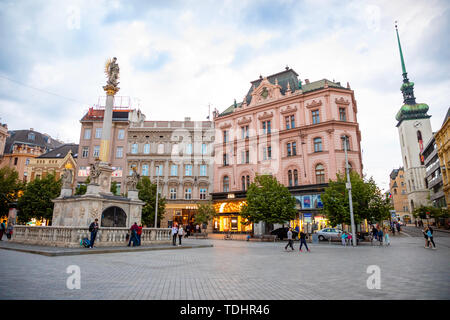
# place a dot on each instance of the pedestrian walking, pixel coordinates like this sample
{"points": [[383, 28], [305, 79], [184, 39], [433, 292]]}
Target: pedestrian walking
{"points": [[430, 238], [374, 232], [290, 241], [188, 229], [174, 235], [424, 231], [349, 239], [303, 241], [343, 238], [380, 236], [133, 235], [386, 237], [138, 234], [398, 227], [197, 228], [93, 228], [180, 234], [393, 228], [2, 229]]}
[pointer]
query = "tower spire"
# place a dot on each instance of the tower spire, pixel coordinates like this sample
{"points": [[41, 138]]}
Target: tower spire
{"points": [[407, 87]]}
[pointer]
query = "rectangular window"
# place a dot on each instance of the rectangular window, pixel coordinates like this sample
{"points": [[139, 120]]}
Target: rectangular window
{"points": [[87, 134], [225, 136], [15, 161], [188, 193], [202, 193], [317, 144], [189, 148], [121, 134], [147, 148], [294, 149], [292, 122], [119, 152], [269, 152], [145, 169], [173, 193], [288, 123], [266, 127], [204, 149], [244, 132], [203, 170], [98, 133], [342, 115], [247, 156], [174, 170], [225, 159], [315, 116], [188, 170], [160, 172], [85, 152], [134, 148], [289, 152], [96, 151]]}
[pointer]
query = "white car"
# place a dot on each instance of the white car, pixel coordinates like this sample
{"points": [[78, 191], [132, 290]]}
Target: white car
{"points": [[329, 233]]}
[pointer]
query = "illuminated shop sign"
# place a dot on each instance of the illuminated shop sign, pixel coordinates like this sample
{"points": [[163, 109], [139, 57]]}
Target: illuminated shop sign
{"points": [[312, 201]]}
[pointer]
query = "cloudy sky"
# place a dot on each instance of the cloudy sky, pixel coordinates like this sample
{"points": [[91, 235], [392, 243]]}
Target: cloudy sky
{"points": [[177, 57]]}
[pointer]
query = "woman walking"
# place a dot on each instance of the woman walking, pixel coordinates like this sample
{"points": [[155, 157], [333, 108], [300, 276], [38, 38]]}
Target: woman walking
{"points": [[430, 238], [180, 234], [386, 237], [424, 231], [343, 238]]}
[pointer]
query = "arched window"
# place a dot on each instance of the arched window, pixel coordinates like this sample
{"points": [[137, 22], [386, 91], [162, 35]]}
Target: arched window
{"points": [[295, 177], [248, 181], [320, 174], [290, 178], [243, 182], [226, 184], [395, 191]]}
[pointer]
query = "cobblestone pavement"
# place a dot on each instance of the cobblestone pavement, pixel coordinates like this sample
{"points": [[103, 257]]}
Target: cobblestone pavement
{"points": [[236, 270], [417, 232]]}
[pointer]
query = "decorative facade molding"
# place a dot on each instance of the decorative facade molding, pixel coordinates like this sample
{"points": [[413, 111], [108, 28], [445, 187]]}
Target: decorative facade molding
{"points": [[225, 125], [265, 115], [265, 92], [314, 104], [289, 109], [244, 120], [341, 100]]}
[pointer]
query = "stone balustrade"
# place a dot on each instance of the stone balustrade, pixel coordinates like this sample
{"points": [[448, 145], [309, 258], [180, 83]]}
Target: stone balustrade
{"points": [[72, 236]]}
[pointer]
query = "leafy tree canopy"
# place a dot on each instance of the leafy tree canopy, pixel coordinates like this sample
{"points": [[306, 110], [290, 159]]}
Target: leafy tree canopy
{"points": [[205, 213], [147, 193], [10, 188], [268, 201], [36, 201], [368, 201]]}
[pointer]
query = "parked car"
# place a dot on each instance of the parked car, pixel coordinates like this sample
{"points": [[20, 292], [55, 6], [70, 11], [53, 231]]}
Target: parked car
{"points": [[329, 233], [281, 233]]}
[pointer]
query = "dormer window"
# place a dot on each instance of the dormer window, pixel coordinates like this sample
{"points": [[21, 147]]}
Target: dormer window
{"points": [[31, 136]]}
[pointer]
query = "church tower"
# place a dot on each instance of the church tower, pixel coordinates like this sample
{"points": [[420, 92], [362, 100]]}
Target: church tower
{"points": [[414, 129]]}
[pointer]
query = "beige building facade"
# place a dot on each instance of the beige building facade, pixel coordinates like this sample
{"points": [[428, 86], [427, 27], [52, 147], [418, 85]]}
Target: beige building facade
{"points": [[399, 195], [443, 144]]}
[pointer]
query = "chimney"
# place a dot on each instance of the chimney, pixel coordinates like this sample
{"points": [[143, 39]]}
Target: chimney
{"points": [[307, 81], [187, 118], [31, 129]]}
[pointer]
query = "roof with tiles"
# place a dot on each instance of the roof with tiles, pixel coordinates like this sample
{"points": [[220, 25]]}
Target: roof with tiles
{"points": [[31, 138], [62, 151]]}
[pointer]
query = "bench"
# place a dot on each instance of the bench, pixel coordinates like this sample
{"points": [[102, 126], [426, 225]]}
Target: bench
{"points": [[268, 237], [203, 235]]}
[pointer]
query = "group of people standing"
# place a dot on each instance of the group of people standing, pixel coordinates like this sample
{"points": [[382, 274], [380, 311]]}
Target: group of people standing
{"points": [[290, 243], [8, 230], [381, 234], [428, 235], [135, 235], [177, 232]]}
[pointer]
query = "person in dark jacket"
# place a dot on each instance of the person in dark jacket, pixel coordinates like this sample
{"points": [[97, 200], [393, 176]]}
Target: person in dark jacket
{"points": [[2, 229], [138, 234], [133, 236], [93, 228], [374, 232], [303, 241], [398, 227]]}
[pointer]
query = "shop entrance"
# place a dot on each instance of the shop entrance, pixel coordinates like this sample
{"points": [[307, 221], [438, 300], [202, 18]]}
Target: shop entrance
{"points": [[114, 217]]}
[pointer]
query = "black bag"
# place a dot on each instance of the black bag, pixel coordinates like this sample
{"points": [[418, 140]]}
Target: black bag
{"points": [[127, 237], [91, 227]]}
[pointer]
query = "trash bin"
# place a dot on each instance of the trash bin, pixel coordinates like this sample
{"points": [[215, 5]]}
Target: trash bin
{"points": [[315, 238]]}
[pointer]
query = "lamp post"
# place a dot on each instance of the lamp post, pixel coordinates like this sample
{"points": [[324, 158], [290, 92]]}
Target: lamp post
{"points": [[349, 188], [157, 193]]}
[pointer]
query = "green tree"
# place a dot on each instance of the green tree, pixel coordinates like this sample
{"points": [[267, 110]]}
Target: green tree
{"points": [[36, 199], [10, 187], [147, 193], [433, 212], [268, 201], [82, 188], [114, 188], [205, 213], [368, 200]]}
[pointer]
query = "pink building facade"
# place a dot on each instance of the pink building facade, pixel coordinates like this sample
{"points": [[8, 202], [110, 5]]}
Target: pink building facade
{"points": [[290, 130]]}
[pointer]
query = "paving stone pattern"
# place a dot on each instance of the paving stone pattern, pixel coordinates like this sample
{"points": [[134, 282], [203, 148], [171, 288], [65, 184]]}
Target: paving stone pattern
{"points": [[236, 270]]}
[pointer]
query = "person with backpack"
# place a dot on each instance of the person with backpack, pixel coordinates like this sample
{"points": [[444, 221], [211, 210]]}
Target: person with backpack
{"points": [[180, 234], [290, 241], [424, 231], [303, 241], [2, 229], [174, 234], [133, 236], [93, 229], [430, 238]]}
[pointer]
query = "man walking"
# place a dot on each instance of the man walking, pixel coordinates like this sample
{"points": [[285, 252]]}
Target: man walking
{"points": [[174, 235], [303, 241], [139, 233], [2, 229], [430, 237], [398, 227], [93, 228], [290, 241], [133, 237]]}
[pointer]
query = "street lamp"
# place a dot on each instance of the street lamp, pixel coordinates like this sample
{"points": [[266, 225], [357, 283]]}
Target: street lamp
{"points": [[157, 193], [349, 188]]}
